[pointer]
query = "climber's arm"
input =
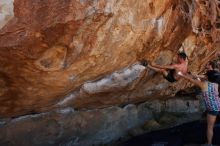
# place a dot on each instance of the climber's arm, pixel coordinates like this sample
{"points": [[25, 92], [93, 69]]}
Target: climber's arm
{"points": [[194, 81]]}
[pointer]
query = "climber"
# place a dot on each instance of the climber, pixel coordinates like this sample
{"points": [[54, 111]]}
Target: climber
{"points": [[217, 54], [217, 60], [210, 96], [170, 71]]}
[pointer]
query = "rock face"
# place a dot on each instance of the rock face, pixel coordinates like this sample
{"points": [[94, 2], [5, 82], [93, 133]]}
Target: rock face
{"points": [[6, 11], [67, 127], [85, 54]]}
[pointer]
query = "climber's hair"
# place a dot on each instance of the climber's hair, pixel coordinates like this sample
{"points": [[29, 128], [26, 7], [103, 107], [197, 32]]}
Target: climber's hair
{"points": [[213, 64], [182, 55], [213, 76]]}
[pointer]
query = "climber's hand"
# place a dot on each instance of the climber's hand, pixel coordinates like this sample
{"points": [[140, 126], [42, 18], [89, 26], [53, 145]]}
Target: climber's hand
{"points": [[180, 73], [144, 62]]}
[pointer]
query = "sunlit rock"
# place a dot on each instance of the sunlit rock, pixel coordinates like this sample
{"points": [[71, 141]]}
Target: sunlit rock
{"points": [[6, 11], [85, 54]]}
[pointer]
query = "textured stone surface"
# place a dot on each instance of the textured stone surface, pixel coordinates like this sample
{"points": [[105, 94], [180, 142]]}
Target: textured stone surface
{"points": [[6, 11], [85, 54], [68, 127]]}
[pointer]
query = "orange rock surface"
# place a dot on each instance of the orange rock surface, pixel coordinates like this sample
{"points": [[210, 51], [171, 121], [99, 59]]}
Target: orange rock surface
{"points": [[85, 54]]}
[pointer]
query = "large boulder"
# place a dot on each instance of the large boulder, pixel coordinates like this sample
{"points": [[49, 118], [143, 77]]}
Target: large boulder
{"points": [[85, 54]]}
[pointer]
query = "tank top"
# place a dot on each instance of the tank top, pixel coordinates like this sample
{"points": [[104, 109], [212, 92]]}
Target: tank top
{"points": [[211, 97]]}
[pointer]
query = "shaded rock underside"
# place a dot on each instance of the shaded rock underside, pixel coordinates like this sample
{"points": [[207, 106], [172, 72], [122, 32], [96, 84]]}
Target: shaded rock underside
{"points": [[68, 127]]}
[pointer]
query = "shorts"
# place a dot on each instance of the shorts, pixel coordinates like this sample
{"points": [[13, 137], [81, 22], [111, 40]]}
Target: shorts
{"points": [[214, 113], [170, 76]]}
